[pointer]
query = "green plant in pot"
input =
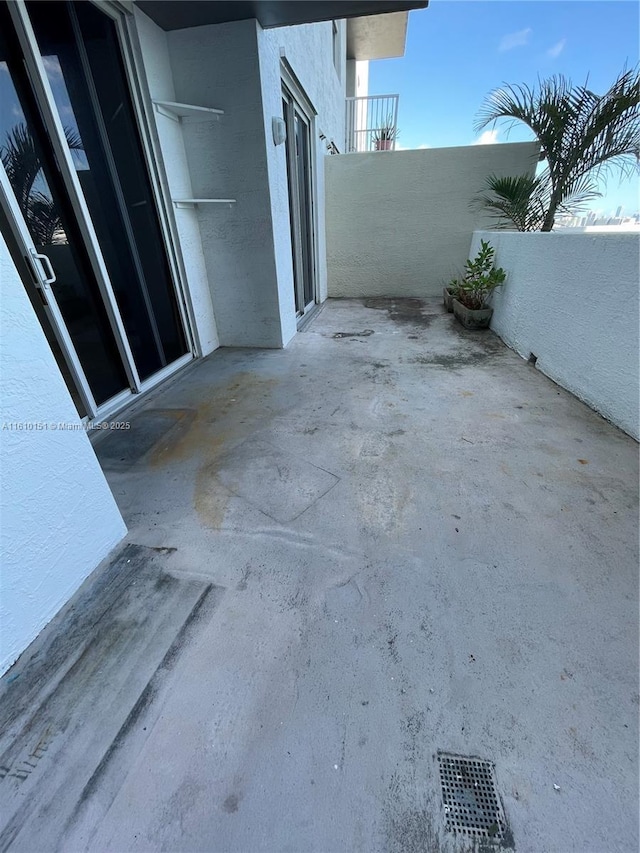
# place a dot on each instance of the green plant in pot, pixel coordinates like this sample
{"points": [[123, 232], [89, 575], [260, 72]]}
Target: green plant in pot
{"points": [[480, 279], [449, 293], [383, 138]]}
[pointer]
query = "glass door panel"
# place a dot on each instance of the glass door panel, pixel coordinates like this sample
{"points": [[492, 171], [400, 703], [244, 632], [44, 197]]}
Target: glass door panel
{"points": [[298, 154], [41, 198], [287, 110], [81, 56], [303, 167]]}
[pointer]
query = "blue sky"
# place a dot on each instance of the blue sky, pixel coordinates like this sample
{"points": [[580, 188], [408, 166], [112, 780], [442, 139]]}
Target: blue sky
{"points": [[459, 50]]}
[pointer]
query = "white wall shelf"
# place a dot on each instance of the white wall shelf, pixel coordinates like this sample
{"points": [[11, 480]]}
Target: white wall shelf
{"points": [[176, 111], [192, 202]]}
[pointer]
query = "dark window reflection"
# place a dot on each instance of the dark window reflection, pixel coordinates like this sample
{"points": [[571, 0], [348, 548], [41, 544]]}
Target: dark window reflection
{"points": [[30, 167], [82, 60]]}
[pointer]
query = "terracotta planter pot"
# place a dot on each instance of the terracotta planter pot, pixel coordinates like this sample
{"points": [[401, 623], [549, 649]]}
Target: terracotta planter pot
{"points": [[384, 144], [472, 318], [447, 296]]}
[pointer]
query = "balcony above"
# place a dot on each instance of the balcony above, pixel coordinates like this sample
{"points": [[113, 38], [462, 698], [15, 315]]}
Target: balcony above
{"points": [[180, 14], [377, 36], [371, 123]]}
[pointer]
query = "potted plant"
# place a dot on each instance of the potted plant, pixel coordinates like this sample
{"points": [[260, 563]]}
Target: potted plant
{"points": [[480, 279], [384, 138], [449, 292]]}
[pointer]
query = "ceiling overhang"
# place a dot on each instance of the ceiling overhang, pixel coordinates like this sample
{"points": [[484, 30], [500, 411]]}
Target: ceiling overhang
{"points": [[377, 36], [182, 14]]}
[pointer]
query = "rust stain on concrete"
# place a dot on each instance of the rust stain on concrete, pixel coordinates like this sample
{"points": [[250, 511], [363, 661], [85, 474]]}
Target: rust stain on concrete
{"points": [[229, 413]]}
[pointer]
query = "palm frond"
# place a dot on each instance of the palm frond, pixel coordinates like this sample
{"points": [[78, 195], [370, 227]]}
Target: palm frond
{"points": [[21, 160], [515, 201], [582, 135]]}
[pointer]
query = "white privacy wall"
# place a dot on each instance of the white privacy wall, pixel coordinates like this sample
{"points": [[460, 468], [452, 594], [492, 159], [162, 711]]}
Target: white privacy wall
{"points": [[58, 518], [154, 51], [571, 299], [399, 223]]}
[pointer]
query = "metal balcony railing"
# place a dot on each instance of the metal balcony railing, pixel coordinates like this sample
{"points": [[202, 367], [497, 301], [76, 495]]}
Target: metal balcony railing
{"points": [[371, 123]]}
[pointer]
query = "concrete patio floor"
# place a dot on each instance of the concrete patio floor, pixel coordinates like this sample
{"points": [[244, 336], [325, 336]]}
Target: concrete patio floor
{"points": [[392, 538]]}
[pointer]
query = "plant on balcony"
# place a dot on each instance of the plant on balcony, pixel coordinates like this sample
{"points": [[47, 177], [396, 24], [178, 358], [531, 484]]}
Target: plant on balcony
{"points": [[481, 277], [384, 137], [583, 136]]}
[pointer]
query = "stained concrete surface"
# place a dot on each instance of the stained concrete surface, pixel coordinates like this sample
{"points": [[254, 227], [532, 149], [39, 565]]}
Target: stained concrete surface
{"points": [[451, 565]]}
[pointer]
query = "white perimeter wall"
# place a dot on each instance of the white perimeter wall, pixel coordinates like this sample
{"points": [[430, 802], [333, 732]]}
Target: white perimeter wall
{"points": [[571, 299], [58, 518], [399, 223]]}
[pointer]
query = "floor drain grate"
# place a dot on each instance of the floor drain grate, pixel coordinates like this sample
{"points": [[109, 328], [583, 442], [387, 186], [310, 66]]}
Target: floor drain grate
{"points": [[470, 798]]}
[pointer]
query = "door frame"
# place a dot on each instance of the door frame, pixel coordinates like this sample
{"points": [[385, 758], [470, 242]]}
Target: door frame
{"points": [[46, 103], [131, 52], [291, 86], [122, 17], [43, 277]]}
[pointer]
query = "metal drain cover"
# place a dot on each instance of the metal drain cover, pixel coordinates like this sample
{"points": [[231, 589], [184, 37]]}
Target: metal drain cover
{"points": [[470, 797]]}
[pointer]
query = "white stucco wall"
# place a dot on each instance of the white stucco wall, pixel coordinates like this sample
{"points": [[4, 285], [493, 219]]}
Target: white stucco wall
{"points": [[170, 143], [357, 78], [240, 257], [571, 299], [362, 78], [399, 223], [217, 66], [58, 518], [307, 50]]}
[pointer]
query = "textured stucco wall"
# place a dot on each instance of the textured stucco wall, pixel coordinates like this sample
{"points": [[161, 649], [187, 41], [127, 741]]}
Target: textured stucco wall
{"points": [[308, 52], [238, 259], [399, 223], [159, 80], [58, 518], [571, 299], [217, 66]]}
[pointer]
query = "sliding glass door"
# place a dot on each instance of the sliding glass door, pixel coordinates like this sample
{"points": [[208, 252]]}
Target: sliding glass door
{"points": [[78, 199], [299, 180]]}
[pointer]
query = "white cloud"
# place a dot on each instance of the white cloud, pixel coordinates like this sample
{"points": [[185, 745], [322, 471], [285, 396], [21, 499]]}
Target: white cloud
{"points": [[517, 39], [52, 67], [489, 137], [400, 147], [557, 48]]}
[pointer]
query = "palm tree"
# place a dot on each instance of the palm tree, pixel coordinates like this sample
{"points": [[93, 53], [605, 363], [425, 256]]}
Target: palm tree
{"points": [[582, 136], [22, 164]]}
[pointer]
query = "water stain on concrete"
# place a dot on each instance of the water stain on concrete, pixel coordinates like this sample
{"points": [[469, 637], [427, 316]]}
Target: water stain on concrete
{"points": [[413, 312], [485, 339], [232, 803], [151, 430], [217, 422], [364, 334], [450, 362], [210, 497], [457, 360], [223, 410]]}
